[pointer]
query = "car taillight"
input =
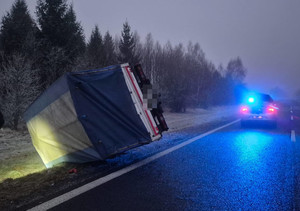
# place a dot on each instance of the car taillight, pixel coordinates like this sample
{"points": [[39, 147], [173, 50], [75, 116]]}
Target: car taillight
{"points": [[271, 110], [244, 109]]}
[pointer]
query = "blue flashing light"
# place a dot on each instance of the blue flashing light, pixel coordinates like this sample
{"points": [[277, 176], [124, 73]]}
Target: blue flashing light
{"points": [[251, 99]]}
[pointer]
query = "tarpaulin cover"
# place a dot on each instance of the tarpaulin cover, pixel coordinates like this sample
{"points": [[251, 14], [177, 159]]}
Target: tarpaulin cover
{"points": [[85, 116], [58, 136], [106, 110]]}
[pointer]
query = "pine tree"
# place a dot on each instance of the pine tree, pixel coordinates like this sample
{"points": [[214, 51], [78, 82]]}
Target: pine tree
{"points": [[17, 75], [127, 45], [51, 19], [95, 51], [59, 28], [17, 29], [75, 45], [109, 50], [61, 39]]}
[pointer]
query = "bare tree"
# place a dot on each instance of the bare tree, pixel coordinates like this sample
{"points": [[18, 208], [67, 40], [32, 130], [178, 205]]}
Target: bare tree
{"points": [[138, 48], [157, 65], [148, 56], [236, 70], [235, 75]]}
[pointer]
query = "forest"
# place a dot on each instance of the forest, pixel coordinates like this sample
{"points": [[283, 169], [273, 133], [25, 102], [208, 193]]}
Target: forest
{"points": [[35, 52]]}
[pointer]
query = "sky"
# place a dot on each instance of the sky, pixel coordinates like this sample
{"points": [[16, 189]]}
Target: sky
{"points": [[265, 34]]}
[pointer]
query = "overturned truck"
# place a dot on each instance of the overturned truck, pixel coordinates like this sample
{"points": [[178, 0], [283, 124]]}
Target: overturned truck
{"points": [[91, 115]]}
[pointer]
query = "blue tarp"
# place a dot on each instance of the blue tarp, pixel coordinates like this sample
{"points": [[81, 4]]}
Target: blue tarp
{"points": [[94, 106], [106, 110]]}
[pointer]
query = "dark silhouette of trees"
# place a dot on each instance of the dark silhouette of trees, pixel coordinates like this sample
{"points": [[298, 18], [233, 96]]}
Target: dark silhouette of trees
{"points": [[17, 30], [127, 46], [234, 75], [59, 27], [236, 70], [34, 55], [95, 50], [175, 81], [18, 85], [148, 56], [110, 56], [61, 39], [18, 81], [75, 45]]}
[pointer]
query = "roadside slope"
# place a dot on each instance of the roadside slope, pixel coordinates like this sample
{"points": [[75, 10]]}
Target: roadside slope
{"points": [[19, 187]]}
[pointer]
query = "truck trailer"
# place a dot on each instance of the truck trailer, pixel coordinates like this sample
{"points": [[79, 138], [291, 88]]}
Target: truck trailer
{"points": [[95, 114]]}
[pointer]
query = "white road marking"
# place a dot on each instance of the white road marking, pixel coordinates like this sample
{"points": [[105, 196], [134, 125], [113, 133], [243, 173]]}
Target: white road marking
{"points": [[293, 136], [67, 196]]}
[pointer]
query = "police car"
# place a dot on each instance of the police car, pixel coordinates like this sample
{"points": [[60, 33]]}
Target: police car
{"points": [[258, 107]]}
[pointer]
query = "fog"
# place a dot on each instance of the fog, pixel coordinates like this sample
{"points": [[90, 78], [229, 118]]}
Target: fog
{"points": [[265, 34]]}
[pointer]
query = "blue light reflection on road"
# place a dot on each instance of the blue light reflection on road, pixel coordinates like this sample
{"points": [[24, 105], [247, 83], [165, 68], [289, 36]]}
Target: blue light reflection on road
{"points": [[250, 145], [264, 169], [233, 170]]}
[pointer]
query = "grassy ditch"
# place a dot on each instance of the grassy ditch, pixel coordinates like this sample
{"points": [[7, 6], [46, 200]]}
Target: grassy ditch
{"points": [[20, 165], [18, 157], [16, 193], [23, 176]]}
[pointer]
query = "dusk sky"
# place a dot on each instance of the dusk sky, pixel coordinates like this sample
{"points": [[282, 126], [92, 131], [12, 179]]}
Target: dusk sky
{"points": [[264, 33]]}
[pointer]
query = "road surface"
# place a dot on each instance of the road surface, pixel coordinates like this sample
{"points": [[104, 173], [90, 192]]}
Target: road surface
{"points": [[234, 168]]}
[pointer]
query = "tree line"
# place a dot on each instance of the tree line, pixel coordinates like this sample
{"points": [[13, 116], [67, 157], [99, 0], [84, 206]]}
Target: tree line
{"points": [[35, 53]]}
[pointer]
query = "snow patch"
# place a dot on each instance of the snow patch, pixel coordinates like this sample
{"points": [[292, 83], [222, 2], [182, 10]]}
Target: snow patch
{"points": [[195, 117], [14, 143]]}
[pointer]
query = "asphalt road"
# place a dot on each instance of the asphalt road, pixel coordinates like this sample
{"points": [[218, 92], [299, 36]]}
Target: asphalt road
{"points": [[254, 168]]}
